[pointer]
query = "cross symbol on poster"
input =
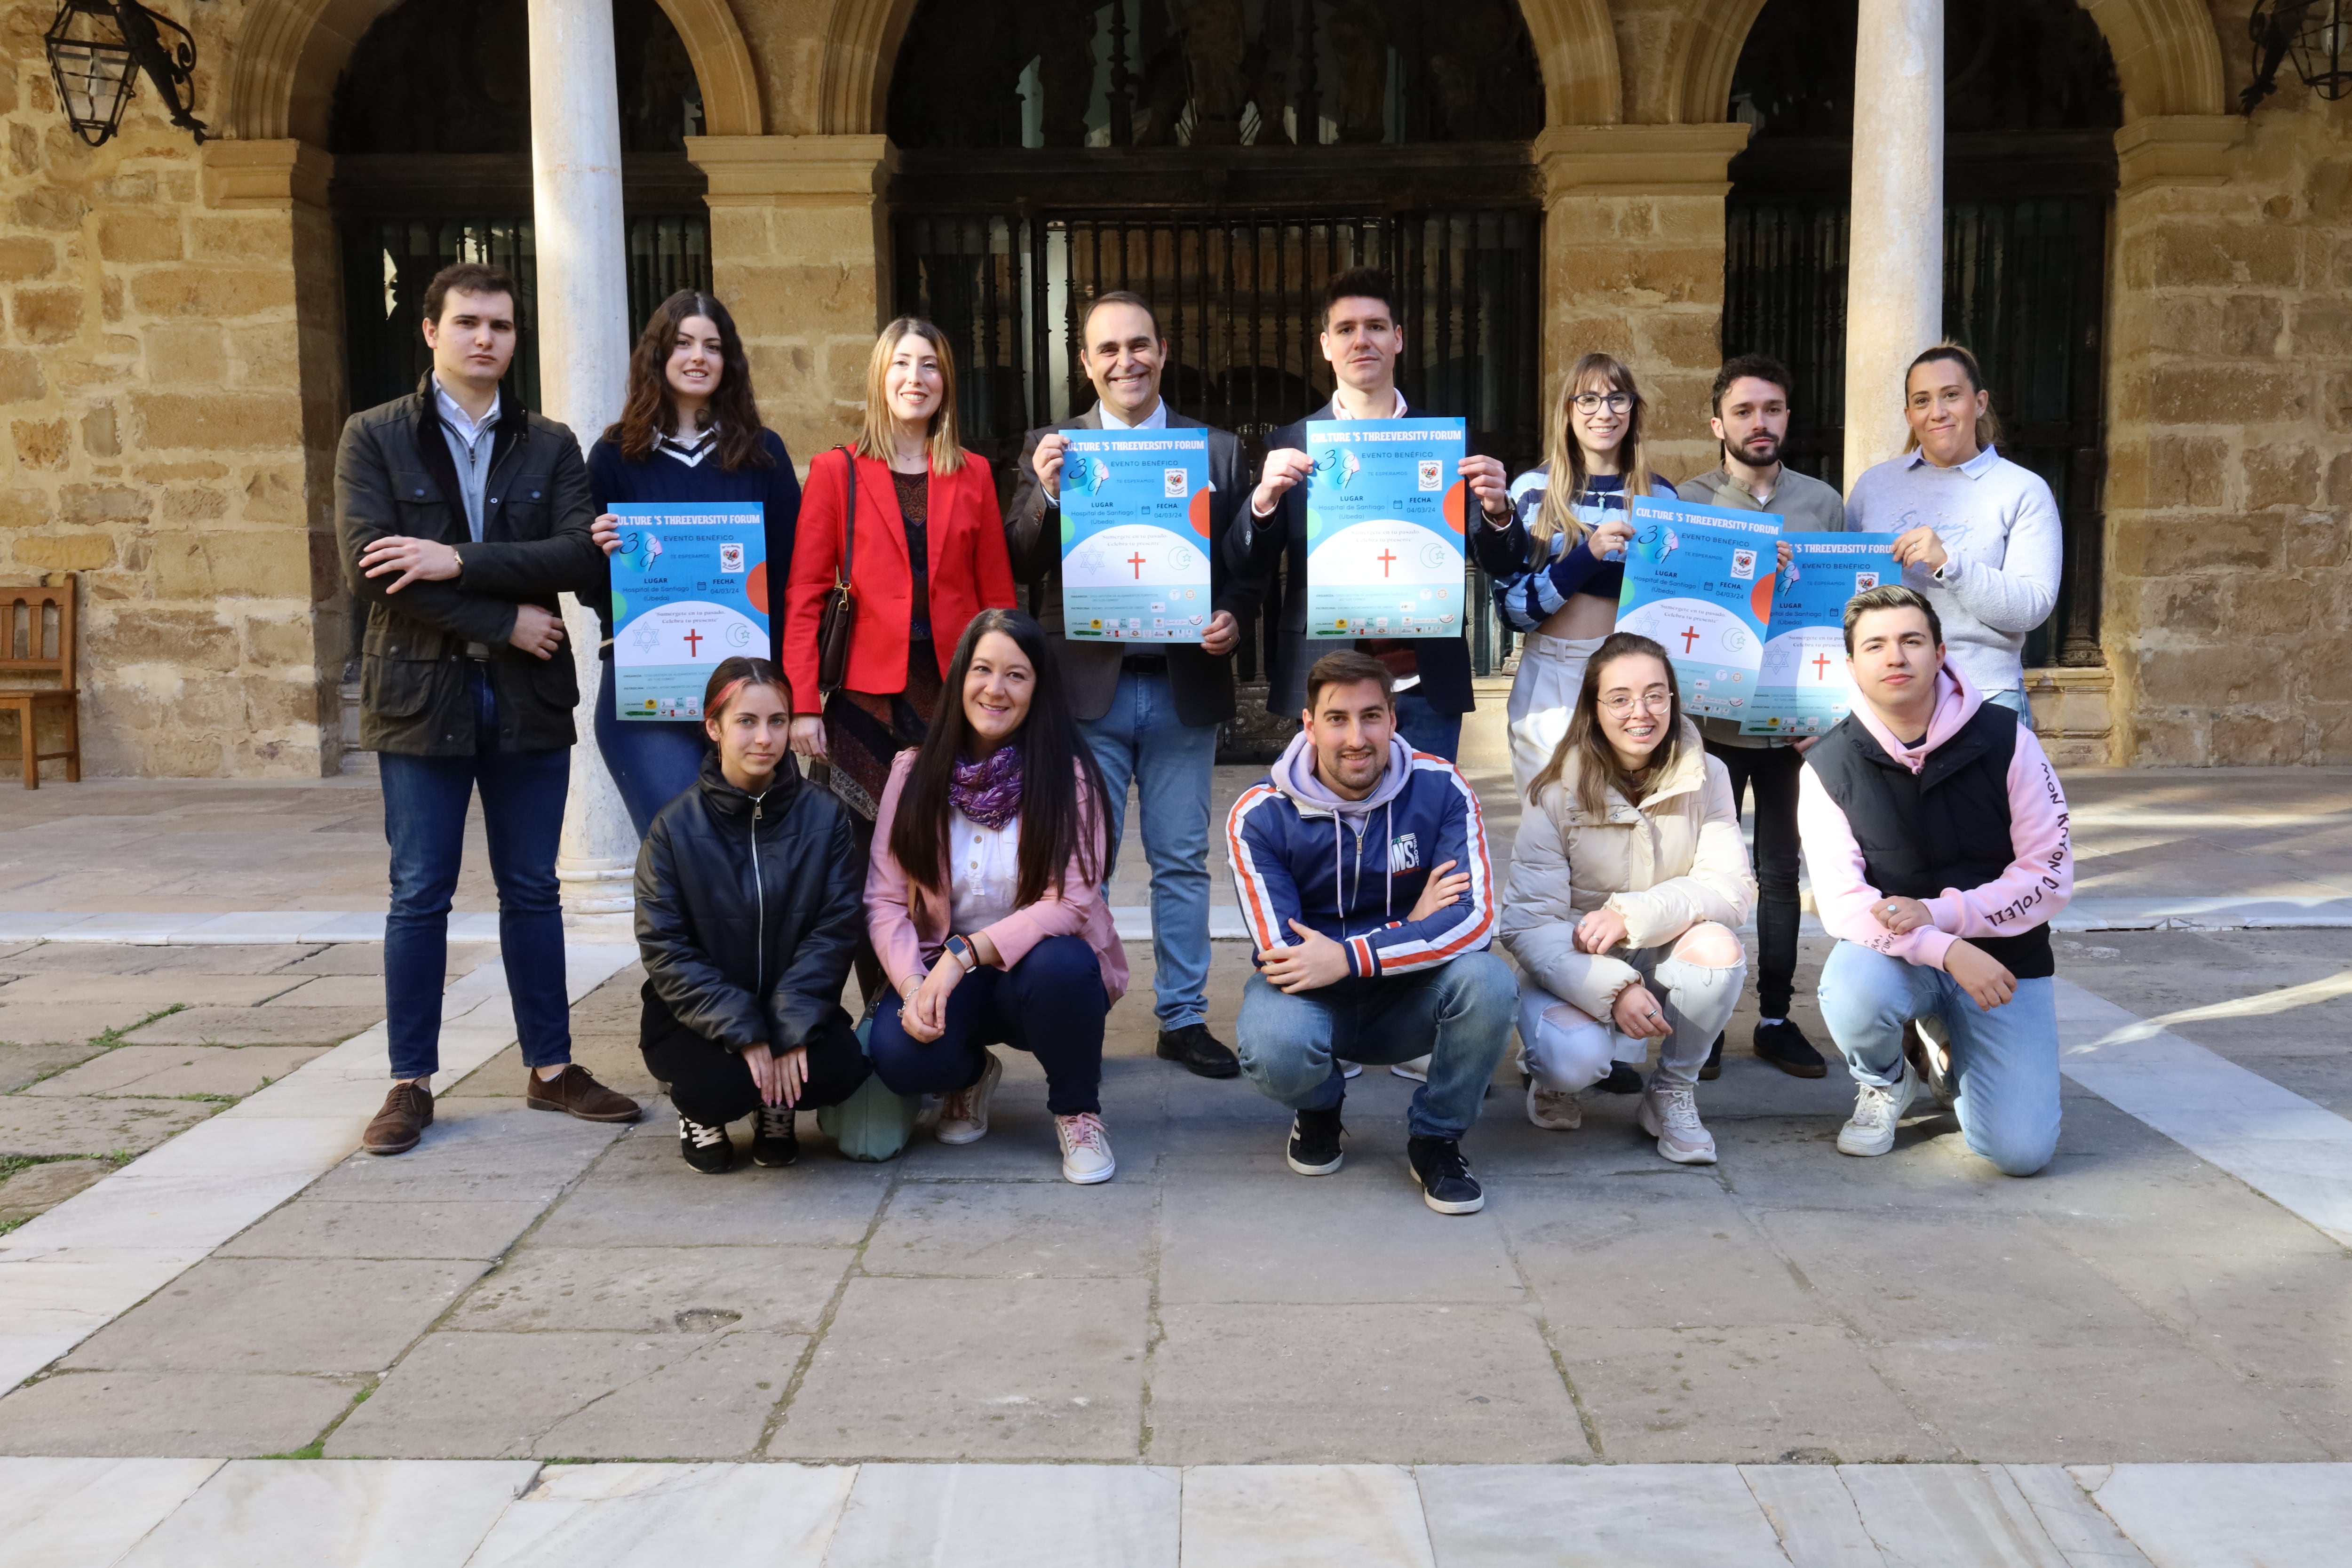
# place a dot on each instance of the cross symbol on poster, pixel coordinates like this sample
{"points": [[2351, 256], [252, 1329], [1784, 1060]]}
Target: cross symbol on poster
{"points": [[1135, 561], [1689, 636], [1384, 557], [693, 643], [1821, 667]]}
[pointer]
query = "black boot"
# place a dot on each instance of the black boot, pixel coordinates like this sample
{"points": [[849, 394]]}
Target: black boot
{"points": [[1197, 1051]]}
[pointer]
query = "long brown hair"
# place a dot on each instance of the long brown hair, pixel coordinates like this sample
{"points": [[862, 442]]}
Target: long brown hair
{"points": [[874, 441], [651, 411], [1988, 423], [1054, 831], [1565, 453], [1587, 745]]}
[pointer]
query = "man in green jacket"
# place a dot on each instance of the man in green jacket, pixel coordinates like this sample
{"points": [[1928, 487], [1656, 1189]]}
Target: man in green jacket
{"points": [[459, 517]]}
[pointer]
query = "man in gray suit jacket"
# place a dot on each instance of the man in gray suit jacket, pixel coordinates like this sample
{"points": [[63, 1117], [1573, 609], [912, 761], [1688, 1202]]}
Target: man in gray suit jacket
{"points": [[1150, 711]]}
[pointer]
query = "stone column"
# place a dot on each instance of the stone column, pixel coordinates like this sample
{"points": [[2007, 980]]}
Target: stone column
{"points": [[799, 249], [1633, 266], [1895, 245], [583, 356]]}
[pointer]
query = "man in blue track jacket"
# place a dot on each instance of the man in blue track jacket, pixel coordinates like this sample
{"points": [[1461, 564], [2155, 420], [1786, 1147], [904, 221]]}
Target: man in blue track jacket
{"points": [[1362, 870]]}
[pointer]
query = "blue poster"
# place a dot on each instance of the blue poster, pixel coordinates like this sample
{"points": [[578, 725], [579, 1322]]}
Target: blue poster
{"points": [[1135, 535], [1802, 687], [1698, 582], [1384, 516], [689, 589]]}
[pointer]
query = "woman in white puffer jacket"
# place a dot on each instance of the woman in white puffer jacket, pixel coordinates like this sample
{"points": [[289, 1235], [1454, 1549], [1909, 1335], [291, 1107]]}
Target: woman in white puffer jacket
{"points": [[1628, 880]]}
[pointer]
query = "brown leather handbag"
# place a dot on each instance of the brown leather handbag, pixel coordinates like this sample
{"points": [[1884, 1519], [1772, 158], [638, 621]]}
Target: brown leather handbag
{"points": [[840, 615]]}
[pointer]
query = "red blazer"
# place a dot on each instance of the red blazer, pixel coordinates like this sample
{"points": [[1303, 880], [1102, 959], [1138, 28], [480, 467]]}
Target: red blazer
{"points": [[969, 571]]}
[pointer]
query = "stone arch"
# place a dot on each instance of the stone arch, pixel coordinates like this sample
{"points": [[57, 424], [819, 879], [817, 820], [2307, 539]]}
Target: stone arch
{"points": [[2167, 56], [1575, 46], [282, 82]]}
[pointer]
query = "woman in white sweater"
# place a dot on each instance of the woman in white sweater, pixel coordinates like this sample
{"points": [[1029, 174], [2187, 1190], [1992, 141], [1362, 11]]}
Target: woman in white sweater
{"points": [[1628, 879]]}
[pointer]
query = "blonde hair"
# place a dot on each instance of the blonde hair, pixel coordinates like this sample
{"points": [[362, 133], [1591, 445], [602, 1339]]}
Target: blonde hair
{"points": [[1565, 454], [1948, 351], [947, 453]]}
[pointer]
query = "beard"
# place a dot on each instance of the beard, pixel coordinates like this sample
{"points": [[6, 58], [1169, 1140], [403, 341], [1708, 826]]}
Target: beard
{"points": [[1758, 450]]}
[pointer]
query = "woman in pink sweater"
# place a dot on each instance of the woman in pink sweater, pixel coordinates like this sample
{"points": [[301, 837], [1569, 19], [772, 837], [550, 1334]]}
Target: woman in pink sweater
{"points": [[982, 898]]}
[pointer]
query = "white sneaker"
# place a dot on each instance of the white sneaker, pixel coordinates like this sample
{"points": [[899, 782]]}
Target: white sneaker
{"points": [[1350, 1069], [963, 1119], [1086, 1148], [1871, 1129], [1416, 1069], [1670, 1114], [1553, 1109]]}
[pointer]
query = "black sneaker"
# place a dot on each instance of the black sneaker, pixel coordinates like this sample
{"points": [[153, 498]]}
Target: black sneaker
{"points": [[773, 1142], [1622, 1079], [705, 1148], [1785, 1047], [1199, 1052], [1443, 1176], [1315, 1143], [1713, 1069]]}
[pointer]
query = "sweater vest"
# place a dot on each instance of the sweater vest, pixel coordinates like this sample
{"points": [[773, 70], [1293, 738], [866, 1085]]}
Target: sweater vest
{"points": [[1946, 826]]}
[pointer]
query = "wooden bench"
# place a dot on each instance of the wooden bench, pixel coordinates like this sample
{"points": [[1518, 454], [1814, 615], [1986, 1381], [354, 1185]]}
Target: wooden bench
{"points": [[37, 637]]}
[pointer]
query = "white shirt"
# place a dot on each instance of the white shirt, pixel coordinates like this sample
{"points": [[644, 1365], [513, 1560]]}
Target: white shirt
{"points": [[691, 450], [1155, 420], [467, 428], [984, 872]]}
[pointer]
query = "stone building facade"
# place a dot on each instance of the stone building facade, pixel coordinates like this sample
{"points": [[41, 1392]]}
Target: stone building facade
{"points": [[173, 367]]}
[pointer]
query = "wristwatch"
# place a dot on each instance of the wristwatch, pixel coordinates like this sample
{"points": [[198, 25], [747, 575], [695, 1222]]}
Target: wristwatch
{"points": [[959, 948]]}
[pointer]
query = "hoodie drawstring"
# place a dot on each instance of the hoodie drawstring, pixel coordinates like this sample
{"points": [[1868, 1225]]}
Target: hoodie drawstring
{"points": [[1388, 888]]}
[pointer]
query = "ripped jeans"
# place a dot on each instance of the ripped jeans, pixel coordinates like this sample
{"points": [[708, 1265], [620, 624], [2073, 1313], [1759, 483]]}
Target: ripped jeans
{"points": [[1567, 1049]]}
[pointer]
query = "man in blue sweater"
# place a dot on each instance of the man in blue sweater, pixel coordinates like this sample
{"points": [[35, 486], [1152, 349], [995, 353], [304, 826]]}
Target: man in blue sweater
{"points": [[1362, 870]]}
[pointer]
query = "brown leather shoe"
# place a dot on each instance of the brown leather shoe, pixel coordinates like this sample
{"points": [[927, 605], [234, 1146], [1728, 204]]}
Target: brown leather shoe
{"points": [[574, 1092], [407, 1112]]}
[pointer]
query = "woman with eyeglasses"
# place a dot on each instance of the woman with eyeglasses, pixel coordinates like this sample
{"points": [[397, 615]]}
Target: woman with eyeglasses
{"points": [[1558, 563], [1628, 878]]}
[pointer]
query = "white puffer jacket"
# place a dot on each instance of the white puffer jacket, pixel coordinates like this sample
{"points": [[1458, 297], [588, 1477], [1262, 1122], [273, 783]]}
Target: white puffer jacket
{"points": [[1665, 865]]}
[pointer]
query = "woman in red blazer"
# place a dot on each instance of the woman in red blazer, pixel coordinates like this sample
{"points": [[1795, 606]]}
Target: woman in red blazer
{"points": [[929, 555]]}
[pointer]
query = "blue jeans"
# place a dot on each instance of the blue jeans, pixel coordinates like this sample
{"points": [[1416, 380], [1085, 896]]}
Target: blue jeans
{"points": [[2014, 701], [651, 762], [1459, 1014], [1051, 1004], [425, 802], [1141, 738], [1425, 728], [2004, 1062]]}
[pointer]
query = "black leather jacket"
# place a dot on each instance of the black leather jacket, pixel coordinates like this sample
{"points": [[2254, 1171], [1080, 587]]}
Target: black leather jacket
{"points": [[748, 911]]}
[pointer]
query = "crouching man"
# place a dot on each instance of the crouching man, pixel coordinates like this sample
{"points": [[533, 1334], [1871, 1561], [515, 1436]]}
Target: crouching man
{"points": [[1363, 870], [1935, 833]]}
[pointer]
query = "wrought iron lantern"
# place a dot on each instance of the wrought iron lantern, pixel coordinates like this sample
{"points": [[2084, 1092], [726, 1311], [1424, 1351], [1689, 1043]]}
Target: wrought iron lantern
{"points": [[2315, 34], [97, 49]]}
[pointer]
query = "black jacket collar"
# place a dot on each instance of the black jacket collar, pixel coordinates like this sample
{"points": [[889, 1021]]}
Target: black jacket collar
{"points": [[729, 802]]}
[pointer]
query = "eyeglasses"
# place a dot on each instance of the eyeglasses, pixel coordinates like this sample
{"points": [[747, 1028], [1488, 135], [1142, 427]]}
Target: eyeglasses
{"points": [[1657, 700], [1594, 402]]}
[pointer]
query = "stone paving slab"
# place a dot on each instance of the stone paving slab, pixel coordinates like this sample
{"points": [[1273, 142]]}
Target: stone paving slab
{"points": [[32, 1124], [162, 1072], [24, 1064], [658, 1289], [332, 1316], [994, 1369], [172, 1415], [332, 1227], [581, 1395], [272, 1024]]}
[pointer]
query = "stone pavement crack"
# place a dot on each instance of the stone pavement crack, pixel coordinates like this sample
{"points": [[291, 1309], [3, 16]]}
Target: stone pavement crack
{"points": [[779, 1412]]}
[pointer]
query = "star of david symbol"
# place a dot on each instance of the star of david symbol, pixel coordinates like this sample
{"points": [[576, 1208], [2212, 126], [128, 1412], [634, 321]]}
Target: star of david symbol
{"points": [[648, 639]]}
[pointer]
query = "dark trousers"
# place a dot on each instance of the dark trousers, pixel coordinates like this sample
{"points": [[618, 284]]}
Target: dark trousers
{"points": [[424, 804], [1051, 1004], [652, 762], [710, 1084], [1426, 727], [1771, 771]]}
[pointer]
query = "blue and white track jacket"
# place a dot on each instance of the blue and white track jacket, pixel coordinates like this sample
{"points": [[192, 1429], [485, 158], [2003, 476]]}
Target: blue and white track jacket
{"points": [[1355, 875]]}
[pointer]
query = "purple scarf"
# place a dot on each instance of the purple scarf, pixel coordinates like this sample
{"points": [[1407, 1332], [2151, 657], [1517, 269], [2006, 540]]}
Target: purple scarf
{"points": [[989, 792]]}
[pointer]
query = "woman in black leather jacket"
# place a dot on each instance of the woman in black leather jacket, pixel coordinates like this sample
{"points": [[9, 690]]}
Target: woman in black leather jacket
{"points": [[750, 897]]}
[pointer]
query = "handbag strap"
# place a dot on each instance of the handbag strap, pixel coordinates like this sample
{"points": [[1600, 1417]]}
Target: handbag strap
{"points": [[849, 514]]}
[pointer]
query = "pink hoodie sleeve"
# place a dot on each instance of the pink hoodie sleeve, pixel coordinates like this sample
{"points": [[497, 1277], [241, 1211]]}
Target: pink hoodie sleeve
{"points": [[889, 892], [2040, 879], [1833, 861]]}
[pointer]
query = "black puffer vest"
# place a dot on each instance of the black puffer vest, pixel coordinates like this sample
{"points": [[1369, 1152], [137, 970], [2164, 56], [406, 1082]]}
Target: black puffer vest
{"points": [[1946, 826]]}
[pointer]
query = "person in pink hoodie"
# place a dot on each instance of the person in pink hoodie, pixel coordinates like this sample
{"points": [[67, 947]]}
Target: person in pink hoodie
{"points": [[982, 902], [1935, 833]]}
